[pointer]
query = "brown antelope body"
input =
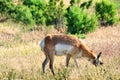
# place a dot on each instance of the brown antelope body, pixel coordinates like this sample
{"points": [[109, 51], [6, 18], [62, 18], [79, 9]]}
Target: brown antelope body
{"points": [[65, 45]]}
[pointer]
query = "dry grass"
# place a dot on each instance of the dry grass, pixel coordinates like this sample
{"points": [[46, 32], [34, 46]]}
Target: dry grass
{"points": [[21, 57], [105, 39]]}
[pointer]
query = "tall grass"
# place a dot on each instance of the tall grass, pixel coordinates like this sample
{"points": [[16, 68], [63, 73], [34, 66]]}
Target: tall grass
{"points": [[21, 57]]}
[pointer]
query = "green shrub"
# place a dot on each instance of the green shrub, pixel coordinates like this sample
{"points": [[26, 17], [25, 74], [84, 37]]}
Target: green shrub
{"points": [[78, 21], [6, 8], [86, 4], [19, 13], [38, 15], [34, 2], [23, 14], [51, 12], [37, 8], [106, 12]]}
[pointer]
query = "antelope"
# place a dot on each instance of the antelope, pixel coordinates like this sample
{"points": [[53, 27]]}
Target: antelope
{"points": [[63, 44]]}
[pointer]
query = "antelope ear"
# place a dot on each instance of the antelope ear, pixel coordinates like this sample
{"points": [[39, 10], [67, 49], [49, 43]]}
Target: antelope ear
{"points": [[98, 56]]}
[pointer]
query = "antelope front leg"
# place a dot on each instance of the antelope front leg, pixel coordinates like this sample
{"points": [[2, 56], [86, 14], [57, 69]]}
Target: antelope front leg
{"points": [[75, 61], [67, 60]]}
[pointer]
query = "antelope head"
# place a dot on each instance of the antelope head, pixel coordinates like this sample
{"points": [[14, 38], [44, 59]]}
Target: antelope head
{"points": [[97, 61]]}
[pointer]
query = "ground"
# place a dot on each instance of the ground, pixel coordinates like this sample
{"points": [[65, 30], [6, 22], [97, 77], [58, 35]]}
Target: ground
{"points": [[21, 57]]}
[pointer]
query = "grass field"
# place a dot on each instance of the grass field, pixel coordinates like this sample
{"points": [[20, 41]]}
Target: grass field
{"points": [[21, 57]]}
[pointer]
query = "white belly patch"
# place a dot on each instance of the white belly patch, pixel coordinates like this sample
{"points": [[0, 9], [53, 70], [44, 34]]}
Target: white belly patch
{"points": [[61, 49]]}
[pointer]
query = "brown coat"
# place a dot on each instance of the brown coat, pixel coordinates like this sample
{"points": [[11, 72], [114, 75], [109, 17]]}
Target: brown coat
{"points": [[52, 40]]}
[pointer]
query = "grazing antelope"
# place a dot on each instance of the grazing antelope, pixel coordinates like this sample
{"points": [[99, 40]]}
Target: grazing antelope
{"points": [[65, 45]]}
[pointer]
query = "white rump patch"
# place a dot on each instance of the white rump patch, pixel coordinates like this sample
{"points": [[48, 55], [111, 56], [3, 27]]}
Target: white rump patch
{"points": [[42, 44], [61, 49]]}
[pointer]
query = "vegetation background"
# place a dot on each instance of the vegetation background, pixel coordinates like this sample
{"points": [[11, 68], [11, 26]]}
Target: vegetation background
{"points": [[24, 23]]}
